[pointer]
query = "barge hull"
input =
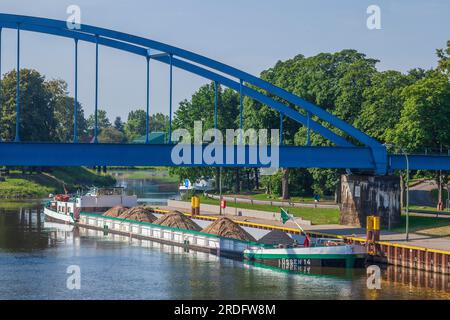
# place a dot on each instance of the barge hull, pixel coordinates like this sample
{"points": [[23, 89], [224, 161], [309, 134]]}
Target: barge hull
{"points": [[300, 263], [51, 215]]}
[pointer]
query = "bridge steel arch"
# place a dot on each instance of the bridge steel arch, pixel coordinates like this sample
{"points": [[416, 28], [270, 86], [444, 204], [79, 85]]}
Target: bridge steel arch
{"points": [[371, 156]]}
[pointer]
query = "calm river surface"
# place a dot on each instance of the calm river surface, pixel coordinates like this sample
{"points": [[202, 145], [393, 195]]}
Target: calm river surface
{"points": [[35, 255]]}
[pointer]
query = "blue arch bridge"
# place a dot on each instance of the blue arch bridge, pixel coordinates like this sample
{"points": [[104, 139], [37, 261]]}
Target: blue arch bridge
{"points": [[351, 150]]}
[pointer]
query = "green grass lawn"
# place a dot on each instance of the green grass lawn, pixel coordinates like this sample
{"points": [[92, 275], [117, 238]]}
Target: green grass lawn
{"points": [[428, 225], [412, 208], [17, 204], [37, 185], [76, 177], [264, 196], [14, 188], [315, 215], [150, 174], [137, 168]]}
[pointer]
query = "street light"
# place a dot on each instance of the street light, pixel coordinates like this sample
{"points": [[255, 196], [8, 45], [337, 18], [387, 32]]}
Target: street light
{"points": [[407, 189], [220, 191], [407, 195], [448, 196]]}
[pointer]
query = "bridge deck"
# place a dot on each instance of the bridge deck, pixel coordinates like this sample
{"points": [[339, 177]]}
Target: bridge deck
{"points": [[91, 154]]}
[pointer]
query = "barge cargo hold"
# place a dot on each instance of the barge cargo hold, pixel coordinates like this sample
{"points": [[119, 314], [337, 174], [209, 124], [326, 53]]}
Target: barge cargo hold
{"points": [[189, 239]]}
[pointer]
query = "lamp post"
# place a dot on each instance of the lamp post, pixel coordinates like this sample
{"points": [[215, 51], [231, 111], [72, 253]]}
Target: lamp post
{"points": [[407, 194], [220, 190], [448, 196], [407, 190]]}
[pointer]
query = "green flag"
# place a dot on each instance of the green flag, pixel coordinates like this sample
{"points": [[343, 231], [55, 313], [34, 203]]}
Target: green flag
{"points": [[284, 216]]}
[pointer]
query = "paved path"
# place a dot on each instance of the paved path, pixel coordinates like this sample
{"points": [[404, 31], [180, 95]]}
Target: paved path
{"points": [[278, 203], [420, 194], [418, 240]]}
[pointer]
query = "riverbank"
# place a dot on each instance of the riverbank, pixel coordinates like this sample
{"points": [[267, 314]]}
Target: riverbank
{"points": [[159, 175], [18, 185]]}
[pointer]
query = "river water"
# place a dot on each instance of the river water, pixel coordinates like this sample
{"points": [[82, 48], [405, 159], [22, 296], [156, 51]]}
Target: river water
{"points": [[35, 257]]}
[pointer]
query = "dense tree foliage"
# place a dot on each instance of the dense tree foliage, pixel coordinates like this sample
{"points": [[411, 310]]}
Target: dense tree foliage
{"points": [[47, 110], [159, 122], [111, 135], [63, 111], [37, 121], [410, 110], [444, 59], [425, 116], [136, 124], [118, 124], [102, 122]]}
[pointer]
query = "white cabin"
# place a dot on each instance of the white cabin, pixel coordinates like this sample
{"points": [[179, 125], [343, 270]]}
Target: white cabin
{"points": [[96, 200]]}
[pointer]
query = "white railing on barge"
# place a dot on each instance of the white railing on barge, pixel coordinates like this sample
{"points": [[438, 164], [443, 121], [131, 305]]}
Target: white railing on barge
{"points": [[167, 234]]}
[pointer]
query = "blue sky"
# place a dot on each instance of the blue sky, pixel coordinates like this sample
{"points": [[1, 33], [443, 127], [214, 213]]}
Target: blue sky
{"points": [[248, 34]]}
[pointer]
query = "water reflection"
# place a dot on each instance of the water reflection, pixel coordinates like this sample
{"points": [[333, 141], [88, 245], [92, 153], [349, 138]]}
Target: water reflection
{"points": [[35, 254], [21, 228]]}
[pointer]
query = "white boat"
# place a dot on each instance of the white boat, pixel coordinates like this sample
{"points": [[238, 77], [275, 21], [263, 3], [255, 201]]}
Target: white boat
{"points": [[66, 209], [203, 184]]}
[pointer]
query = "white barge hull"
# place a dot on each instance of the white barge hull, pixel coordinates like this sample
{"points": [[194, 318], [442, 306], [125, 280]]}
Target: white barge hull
{"points": [[56, 216]]}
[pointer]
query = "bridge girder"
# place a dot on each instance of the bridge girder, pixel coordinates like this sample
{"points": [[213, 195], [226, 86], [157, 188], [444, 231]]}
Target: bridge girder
{"points": [[372, 156], [91, 154]]}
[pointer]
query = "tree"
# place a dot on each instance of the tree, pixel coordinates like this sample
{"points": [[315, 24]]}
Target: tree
{"points": [[118, 124], [334, 81], [135, 126], [425, 118], [444, 59], [382, 104], [37, 121], [356, 78], [159, 122], [111, 135], [63, 108], [102, 121]]}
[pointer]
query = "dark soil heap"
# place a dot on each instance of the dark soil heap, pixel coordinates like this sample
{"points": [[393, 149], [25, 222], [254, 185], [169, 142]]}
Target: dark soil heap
{"points": [[115, 211], [139, 213], [226, 227], [178, 220]]}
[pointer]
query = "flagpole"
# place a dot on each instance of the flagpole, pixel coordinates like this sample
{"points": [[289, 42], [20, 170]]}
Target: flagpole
{"points": [[292, 218], [302, 230]]}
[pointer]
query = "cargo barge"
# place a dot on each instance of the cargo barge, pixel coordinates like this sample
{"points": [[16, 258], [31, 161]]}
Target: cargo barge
{"points": [[86, 211]]}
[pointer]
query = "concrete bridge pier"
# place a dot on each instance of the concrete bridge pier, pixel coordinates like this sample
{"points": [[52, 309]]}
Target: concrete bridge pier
{"points": [[364, 195]]}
